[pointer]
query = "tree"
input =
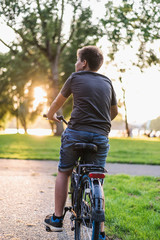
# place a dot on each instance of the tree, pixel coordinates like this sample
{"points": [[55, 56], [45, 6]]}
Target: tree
{"points": [[39, 26], [155, 124], [18, 79], [5, 95], [123, 103], [133, 23], [25, 111], [5, 102]]}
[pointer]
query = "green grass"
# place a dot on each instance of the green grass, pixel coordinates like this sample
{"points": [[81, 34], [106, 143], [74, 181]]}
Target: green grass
{"points": [[121, 150], [19, 146], [132, 207], [128, 150]]}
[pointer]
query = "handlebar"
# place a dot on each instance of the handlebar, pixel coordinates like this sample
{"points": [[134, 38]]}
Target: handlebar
{"points": [[61, 118]]}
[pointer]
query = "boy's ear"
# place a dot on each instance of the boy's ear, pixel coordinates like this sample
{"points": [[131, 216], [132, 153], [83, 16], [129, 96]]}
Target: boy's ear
{"points": [[84, 64]]}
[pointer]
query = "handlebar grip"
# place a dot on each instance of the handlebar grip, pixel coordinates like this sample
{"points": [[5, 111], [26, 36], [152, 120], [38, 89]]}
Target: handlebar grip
{"points": [[61, 118]]}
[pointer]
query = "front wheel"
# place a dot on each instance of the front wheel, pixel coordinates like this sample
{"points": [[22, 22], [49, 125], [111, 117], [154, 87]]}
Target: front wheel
{"points": [[85, 227]]}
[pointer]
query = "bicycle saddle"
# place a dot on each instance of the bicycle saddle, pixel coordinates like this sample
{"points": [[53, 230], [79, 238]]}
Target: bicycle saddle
{"points": [[85, 147]]}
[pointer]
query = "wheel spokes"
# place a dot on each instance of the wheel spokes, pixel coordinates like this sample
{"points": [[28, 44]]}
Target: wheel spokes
{"points": [[86, 225]]}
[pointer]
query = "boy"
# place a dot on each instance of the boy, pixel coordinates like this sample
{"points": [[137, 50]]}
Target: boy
{"points": [[94, 107]]}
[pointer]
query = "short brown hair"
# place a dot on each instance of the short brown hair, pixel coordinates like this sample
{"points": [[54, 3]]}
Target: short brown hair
{"points": [[92, 55]]}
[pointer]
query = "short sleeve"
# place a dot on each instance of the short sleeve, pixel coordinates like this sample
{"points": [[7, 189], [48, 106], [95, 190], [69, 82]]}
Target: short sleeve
{"points": [[66, 89], [114, 99]]}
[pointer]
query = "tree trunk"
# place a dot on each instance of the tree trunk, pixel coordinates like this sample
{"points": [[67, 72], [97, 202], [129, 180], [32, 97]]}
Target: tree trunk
{"points": [[59, 126], [52, 124], [126, 120], [126, 124], [125, 108], [55, 76], [23, 122], [24, 126], [17, 123]]}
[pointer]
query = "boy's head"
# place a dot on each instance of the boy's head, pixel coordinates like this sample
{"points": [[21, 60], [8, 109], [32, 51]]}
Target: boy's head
{"points": [[92, 56]]}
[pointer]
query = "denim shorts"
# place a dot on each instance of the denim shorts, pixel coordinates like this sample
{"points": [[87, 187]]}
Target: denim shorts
{"points": [[68, 156]]}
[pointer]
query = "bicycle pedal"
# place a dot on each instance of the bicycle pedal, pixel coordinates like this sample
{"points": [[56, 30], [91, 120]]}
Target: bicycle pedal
{"points": [[72, 226]]}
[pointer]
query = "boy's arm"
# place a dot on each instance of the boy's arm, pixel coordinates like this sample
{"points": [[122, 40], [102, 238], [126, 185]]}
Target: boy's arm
{"points": [[56, 104], [114, 111]]}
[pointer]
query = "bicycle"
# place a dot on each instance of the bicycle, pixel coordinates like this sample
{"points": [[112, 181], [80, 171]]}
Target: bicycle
{"points": [[86, 195]]}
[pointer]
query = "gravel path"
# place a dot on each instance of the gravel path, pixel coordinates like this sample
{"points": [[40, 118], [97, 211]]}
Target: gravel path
{"points": [[26, 197]]}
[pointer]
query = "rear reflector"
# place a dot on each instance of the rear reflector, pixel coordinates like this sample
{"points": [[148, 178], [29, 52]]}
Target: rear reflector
{"points": [[96, 175]]}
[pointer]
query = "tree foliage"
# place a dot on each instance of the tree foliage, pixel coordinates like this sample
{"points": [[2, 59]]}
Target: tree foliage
{"points": [[5, 91], [134, 21], [16, 98]]}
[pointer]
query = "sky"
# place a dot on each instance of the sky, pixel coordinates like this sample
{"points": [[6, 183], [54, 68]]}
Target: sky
{"points": [[142, 95], [142, 89]]}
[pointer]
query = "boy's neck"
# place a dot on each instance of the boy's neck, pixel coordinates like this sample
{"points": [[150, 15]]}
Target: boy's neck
{"points": [[88, 69]]}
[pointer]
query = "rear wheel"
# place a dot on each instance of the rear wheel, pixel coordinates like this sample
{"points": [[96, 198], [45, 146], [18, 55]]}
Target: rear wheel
{"points": [[86, 228]]}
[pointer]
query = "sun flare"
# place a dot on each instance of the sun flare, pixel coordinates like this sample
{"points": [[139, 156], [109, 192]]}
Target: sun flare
{"points": [[39, 96]]}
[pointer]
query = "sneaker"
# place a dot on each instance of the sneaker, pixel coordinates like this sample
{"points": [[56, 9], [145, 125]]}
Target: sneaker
{"points": [[55, 224], [102, 236]]}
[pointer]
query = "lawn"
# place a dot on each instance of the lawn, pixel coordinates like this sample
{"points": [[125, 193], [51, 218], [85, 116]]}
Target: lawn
{"points": [[132, 207], [20, 146], [123, 150], [144, 151]]}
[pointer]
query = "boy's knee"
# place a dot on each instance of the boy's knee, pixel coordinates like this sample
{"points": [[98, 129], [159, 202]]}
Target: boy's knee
{"points": [[66, 173]]}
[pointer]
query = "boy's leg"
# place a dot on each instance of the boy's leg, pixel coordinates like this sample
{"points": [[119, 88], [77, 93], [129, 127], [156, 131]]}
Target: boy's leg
{"points": [[55, 221], [61, 191]]}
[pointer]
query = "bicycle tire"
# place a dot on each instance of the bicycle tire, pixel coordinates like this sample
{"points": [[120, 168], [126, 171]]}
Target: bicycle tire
{"points": [[76, 207], [86, 229], [72, 185]]}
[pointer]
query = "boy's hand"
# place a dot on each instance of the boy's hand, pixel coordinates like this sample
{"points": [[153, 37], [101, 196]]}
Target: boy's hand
{"points": [[52, 117], [55, 118]]}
